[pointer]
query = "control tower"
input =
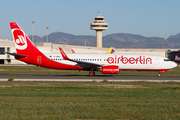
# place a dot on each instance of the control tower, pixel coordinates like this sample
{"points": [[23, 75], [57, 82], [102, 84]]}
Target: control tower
{"points": [[99, 26]]}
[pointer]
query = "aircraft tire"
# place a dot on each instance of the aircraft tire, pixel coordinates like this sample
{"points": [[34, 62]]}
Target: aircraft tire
{"points": [[91, 74]]}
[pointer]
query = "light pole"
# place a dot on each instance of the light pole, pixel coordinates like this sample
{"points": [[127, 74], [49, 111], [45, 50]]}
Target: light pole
{"points": [[47, 34], [33, 31], [86, 41], [163, 42], [89, 42]]}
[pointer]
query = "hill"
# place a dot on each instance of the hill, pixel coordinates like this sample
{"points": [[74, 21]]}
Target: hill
{"points": [[117, 40], [174, 40]]}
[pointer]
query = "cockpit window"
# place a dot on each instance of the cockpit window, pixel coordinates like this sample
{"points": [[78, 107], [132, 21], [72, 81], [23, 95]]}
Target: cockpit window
{"points": [[166, 60]]}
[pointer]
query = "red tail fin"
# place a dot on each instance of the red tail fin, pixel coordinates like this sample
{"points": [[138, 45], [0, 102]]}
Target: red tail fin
{"points": [[22, 43]]}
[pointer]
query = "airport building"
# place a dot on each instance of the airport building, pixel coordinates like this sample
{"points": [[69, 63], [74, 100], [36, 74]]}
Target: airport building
{"points": [[8, 46]]}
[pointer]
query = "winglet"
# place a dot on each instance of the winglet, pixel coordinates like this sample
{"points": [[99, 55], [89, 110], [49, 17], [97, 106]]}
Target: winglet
{"points": [[72, 50], [63, 54]]}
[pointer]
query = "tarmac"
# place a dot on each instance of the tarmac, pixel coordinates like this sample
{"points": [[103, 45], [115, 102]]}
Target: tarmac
{"points": [[87, 78]]}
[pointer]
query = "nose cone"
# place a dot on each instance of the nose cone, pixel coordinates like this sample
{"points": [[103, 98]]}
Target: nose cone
{"points": [[173, 64]]}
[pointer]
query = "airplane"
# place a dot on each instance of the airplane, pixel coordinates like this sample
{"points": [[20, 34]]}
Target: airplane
{"points": [[106, 63], [110, 50]]}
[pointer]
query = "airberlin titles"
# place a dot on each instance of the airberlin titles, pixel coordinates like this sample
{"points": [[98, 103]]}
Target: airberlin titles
{"points": [[131, 60]]}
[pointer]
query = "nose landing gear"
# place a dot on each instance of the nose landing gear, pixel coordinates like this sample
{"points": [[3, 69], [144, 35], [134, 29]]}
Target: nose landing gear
{"points": [[161, 71]]}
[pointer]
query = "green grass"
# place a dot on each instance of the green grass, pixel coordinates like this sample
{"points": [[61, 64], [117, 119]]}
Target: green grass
{"points": [[40, 70], [89, 100]]}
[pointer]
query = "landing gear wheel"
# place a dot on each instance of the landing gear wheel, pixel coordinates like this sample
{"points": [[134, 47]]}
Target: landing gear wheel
{"points": [[158, 74], [91, 73]]}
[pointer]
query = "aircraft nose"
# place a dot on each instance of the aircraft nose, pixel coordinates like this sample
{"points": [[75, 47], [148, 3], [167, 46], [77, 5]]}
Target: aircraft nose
{"points": [[173, 64]]}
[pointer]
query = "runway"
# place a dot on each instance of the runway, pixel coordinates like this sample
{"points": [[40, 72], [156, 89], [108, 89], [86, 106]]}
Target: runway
{"points": [[115, 78]]}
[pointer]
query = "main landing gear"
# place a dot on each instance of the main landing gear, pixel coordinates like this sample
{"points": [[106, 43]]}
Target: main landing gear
{"points": [[92, 73]]}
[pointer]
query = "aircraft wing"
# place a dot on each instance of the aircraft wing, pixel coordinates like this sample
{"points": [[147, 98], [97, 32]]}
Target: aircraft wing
{"points": [[80, 63]]}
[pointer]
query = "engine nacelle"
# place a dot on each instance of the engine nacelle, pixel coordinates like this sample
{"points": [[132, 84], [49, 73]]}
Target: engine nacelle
{"points": [[110, 69]]}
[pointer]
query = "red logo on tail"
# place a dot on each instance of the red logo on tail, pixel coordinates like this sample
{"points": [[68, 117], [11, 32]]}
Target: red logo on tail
{"points": [[19, 39]]}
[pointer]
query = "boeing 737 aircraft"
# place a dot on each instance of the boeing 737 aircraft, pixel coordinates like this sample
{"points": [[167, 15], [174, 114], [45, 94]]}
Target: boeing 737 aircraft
{"points": [[106, 63]]}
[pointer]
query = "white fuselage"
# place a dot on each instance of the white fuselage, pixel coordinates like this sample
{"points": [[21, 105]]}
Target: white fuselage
{"points": [[124, 61]]}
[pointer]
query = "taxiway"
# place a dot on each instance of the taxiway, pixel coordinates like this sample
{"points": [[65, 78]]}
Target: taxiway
{"points": [[42, 77]]}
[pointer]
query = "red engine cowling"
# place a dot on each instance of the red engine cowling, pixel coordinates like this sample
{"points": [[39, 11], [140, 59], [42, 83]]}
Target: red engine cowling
{"points": [[110, 69]]}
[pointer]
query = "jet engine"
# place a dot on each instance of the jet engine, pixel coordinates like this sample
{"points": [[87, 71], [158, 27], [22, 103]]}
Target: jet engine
{"points": [[110, 69]]}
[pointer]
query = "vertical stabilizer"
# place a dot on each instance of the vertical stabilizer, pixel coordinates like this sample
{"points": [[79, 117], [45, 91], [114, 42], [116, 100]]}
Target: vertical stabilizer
{"points": [[22, 43]]}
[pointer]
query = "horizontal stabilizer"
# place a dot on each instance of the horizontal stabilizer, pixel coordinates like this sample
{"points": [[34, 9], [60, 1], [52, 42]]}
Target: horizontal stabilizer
{"points": [[16, 55]]}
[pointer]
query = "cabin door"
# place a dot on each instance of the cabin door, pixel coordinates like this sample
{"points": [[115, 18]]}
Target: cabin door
{"points": [[38, 59], [157, 61]]}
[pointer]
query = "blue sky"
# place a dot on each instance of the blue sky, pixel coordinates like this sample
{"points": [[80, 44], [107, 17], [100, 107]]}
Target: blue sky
{"points": [[149, 18]]}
